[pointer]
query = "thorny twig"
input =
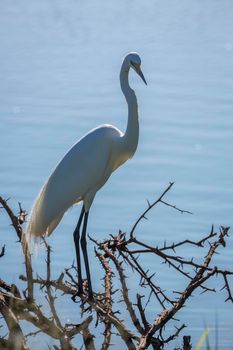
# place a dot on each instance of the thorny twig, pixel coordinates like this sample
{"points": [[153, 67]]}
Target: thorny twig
{"points": [[51, 298], [108, 298], [17, 222], [150, 206]]}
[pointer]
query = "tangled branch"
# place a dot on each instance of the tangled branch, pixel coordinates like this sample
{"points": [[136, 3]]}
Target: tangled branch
{"points": [[115, 255]]}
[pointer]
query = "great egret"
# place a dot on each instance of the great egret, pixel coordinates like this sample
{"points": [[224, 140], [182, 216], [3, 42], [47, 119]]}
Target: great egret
{"points": [[84, 170]]}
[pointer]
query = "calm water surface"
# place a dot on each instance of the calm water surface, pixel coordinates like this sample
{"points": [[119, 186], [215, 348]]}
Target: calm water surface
{"points": [[59, 68]]}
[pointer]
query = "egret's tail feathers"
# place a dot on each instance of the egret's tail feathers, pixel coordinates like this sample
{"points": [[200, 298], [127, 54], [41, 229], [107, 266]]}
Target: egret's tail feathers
{"points": [[33, 243], [36, 227], [42, 219]]}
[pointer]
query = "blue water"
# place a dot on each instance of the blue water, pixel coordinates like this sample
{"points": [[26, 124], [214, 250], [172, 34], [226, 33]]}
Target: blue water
{"points": [[59, 68]]}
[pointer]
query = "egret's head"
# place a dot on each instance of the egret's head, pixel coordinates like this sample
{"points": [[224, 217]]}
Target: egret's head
{"points": [[135, 62]]}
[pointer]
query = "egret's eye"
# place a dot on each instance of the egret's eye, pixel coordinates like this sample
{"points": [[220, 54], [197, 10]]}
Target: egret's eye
{"points": [[135, 65]]}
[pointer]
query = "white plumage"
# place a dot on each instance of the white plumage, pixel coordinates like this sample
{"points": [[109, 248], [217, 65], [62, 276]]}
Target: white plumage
{"points": [[85, 168]]}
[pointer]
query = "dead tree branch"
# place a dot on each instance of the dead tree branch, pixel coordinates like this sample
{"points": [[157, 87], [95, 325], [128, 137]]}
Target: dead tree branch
{"points": [[120, 256]]}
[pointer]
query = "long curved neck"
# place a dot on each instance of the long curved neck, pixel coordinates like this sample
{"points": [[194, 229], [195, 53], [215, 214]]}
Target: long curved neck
{"points": [[132, 131]]}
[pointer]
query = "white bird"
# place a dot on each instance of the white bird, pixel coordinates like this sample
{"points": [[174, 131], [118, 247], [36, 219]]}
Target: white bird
{"points": [[84, 170]]}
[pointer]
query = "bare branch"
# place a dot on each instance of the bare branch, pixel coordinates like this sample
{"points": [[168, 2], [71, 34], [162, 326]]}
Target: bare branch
{"points": [[125, 293], [115, 254], [16, 339], [14, 219], [150, 206], [108, 299], [51, 298]]}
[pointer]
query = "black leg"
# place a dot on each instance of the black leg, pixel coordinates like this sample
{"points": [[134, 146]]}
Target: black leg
{"points": [[85, 256], [76, 242]]}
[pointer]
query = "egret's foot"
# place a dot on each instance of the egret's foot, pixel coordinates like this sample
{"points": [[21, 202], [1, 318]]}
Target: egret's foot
{"points": [[77, 294], [88, 297], [100, 297]]}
